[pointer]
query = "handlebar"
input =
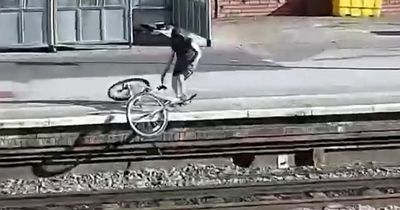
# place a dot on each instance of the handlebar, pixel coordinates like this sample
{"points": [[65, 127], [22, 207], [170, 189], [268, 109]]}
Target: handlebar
{"points": [[162, 87]]}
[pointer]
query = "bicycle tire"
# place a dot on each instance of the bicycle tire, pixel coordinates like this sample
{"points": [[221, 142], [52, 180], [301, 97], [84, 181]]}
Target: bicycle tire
{"points": [[134, 126], [115, 97]]}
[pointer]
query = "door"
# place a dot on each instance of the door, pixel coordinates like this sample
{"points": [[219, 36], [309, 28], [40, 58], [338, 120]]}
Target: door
{"points": [[23, 23], [193, 16], [92, 21]]}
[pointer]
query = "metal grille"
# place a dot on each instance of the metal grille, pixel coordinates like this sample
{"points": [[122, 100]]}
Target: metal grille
{"points": [[150, 11], [193, 16], [50, 23]]}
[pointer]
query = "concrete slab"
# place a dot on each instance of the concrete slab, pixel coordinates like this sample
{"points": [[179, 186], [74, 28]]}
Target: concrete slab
{"points": [[357, 82], [296, 38], [14, 116], [256, 83], [307, 66]]}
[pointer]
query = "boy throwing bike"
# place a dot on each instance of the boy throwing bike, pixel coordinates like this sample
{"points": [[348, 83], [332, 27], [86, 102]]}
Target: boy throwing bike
{"points": [[188, 54]]}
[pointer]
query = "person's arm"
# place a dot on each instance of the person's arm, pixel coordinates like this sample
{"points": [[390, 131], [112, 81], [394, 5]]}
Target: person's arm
{"points": [[171, 59], [197, 51]]}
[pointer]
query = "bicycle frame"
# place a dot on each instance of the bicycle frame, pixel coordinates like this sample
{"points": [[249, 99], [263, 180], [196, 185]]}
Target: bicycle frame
{"points": [[136, 114], [166, 104], [148, 90]]}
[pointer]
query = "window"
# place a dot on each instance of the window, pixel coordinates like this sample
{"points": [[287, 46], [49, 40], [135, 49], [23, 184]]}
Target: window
{"points": [[35, 3], [6, 4], [90, 3], [113, 2], [150, 3], [67, 3]]}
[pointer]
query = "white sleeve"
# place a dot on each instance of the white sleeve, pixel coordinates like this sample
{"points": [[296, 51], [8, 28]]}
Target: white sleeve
{"points": [[196, 47]]}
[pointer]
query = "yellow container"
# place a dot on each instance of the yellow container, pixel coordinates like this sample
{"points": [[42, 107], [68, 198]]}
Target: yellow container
{"points": [[357, 3], [377, 12], [335, 7], [357, 8], [335, 11], [344, 11], [369, 4], [378, 4], [341, 3], [367, 12], [355, 12], [341, 11], [341, 7]]}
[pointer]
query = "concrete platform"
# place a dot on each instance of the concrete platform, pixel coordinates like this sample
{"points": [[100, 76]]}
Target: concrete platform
{"points": [[335, 82], [293, 67], [307, 66], [39, 115]]}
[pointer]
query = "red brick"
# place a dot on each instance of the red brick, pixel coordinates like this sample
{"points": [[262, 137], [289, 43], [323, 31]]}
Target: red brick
{"points": [[241, 8]]}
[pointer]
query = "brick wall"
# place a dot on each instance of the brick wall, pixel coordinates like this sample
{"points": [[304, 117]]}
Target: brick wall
{"points": [[240, 8], [237, 8], [391, 7]]}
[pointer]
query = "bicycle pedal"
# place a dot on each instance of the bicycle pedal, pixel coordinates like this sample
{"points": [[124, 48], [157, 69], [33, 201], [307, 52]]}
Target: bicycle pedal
{"points": [[185, 103]]}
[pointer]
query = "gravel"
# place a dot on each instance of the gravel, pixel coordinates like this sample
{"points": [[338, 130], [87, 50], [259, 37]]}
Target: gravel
{"points": [[354, 207], [364, 207], [190, 175]]}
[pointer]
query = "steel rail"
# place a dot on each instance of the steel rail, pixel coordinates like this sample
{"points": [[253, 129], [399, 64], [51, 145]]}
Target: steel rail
{"points": [[13, 157], [196, 192]]}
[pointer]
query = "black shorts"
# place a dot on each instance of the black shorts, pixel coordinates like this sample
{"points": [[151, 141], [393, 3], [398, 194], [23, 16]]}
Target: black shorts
{"points": [[186, 71]]}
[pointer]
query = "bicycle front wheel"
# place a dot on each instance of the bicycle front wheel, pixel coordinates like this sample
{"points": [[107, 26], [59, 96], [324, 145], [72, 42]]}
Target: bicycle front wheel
{"points": [[147, 115]]}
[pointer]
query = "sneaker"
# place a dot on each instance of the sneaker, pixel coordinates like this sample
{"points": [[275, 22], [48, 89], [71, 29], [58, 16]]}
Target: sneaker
{"points": [[176, 100], [183, 97]]}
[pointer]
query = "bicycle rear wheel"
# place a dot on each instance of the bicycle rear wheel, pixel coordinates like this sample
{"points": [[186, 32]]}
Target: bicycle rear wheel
{"points": [[147, 115], [117, 91]]}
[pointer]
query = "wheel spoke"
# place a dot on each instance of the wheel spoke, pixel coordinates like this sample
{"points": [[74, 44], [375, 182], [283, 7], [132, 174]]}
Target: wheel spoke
{"points": [[153, 119]]}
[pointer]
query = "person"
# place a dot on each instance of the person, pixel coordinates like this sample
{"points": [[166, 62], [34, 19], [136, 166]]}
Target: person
{"points": [[188, 54]]}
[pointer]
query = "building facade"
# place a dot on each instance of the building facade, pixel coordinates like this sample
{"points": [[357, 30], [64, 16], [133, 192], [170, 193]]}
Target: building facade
{"points": [[52, 23], [242, 8]]}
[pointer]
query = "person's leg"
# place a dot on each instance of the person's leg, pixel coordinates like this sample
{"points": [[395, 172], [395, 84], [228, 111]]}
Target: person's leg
{"points": [[178, 79], [178, 85], [181, 87], [185, 76], [175, 84]]}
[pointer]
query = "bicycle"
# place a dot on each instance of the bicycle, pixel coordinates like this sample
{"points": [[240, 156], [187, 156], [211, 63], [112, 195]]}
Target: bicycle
{"points": [[157, 118]]}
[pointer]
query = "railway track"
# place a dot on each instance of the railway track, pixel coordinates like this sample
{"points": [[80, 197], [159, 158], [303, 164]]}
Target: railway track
{"points": [[138, 151], [279, 195]]}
